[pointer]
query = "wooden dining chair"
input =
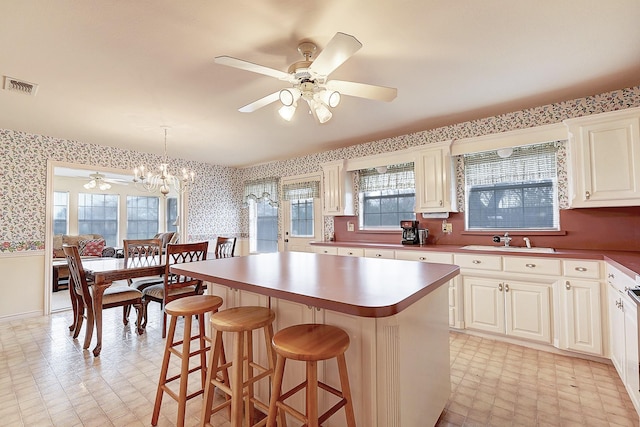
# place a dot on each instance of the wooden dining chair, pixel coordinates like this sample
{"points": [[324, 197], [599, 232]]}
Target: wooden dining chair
{"points": [[176, 286], [141, 252], [114, 296], [225, 246]]}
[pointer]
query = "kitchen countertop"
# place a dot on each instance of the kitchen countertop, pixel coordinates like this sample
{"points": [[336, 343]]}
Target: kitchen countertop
{"points": [[627, 262], [365, 287]]}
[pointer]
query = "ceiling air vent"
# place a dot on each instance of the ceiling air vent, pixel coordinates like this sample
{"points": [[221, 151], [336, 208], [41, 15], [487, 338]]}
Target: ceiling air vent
{"points": [[15, 85]]}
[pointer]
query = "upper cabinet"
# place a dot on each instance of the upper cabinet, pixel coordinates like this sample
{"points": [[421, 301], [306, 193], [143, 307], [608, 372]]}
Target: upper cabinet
{"points": [[434, 185], [605, 159], [338, 189]]}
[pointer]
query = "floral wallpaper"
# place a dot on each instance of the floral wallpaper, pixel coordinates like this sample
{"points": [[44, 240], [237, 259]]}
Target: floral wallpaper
{"points": [[215, 205]]}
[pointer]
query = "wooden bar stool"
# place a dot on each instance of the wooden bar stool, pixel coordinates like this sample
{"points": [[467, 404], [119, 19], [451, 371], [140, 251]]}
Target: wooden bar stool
{"points": [[185, 307], [311, 343], [241, 321]]}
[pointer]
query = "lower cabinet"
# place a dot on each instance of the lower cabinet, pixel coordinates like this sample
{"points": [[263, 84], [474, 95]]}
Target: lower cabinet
{"points": [[580, 315], [512, 308]]}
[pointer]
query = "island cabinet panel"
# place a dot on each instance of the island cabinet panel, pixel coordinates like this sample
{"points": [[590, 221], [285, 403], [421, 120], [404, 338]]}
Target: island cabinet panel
{"points": [[605, 158]]}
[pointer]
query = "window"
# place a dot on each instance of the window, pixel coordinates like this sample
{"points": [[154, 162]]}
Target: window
{"points": [[60, 212], [387, 198], [172, 213], [142, 217], [513, 192], [301, 195], [262, 199], [264, 226], [98, 214]]}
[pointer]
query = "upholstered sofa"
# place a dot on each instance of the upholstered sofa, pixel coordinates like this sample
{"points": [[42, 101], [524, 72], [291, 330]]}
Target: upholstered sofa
{"points": [[88, 245]]}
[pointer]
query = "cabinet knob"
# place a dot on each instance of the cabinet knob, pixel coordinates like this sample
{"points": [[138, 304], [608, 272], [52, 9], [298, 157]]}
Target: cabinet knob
{"points": [[567, 285], [422, 258], [530, 265], [378, 255], [581, 269], [476, 261], [587, 195], [500, 287], [350, 253], [441, 203], [506, 287]]}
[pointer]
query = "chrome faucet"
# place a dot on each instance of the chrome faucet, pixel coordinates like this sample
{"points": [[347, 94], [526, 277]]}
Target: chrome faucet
{"points": [[506, 239]]}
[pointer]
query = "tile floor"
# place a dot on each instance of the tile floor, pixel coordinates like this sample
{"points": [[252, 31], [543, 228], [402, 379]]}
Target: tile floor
{"points": [[47, 379]]}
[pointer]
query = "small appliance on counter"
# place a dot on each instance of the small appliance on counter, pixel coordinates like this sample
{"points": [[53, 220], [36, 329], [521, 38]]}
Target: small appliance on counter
{"points": [[410, 234]]}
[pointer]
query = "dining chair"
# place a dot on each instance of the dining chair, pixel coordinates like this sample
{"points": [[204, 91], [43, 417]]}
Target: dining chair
{"points": [[176, 286], [141, 252], [225, 246], [114, 296]]}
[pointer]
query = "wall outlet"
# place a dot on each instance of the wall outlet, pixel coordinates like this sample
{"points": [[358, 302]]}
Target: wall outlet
{"points": [[350, 226], [447, 227]]}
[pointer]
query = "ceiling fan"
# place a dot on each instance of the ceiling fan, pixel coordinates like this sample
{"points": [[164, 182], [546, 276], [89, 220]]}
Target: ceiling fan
{"points": [[309, 80], [98, 180]]}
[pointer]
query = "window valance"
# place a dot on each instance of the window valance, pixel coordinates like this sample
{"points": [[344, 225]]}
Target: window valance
{"points": [[301, 190], [265, 188], [397, 177], [527, 163]]}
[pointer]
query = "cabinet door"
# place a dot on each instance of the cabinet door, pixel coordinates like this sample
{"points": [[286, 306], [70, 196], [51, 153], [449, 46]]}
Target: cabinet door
{"points": [[351, 251], [379, 253], [528, 311], [483, 304], [337, 190], [606, 158], [430, 181], [632, 373], [616, 331], [581, 316]]}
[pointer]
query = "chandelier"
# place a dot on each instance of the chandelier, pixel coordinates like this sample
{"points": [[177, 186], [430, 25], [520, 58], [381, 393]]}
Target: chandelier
{"points": [[162, 181]]}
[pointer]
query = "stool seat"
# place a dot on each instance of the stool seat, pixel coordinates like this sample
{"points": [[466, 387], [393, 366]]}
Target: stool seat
{"points": [[193, 305], [241, 319], [311, 342]]}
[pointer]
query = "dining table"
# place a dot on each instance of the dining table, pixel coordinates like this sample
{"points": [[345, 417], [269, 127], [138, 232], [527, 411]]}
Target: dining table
{"points": [[101, 273]]}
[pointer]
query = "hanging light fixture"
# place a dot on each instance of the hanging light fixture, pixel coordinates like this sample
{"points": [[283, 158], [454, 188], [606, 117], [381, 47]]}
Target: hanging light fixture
{"points": [[97, 180], [164, 180]]}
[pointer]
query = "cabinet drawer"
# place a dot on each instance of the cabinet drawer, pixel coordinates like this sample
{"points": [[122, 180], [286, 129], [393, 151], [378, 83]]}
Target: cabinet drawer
{"points": [[619, 280], [582, 268], [478, 262], [326, 250], [436, 257], [351, 251], [529, 265], [379, 253]]}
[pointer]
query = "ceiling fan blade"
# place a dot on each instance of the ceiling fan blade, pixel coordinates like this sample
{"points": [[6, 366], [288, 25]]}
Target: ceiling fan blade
{"points": [[339, 49], [362, 90], [250, 108], [250, 66]]}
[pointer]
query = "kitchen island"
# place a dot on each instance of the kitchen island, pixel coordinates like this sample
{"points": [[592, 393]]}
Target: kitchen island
{"points": [[395, 312]]}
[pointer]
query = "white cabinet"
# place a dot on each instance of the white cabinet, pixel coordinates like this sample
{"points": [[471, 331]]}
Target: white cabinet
{"points": [[433, 174], [581, 315], [327, 250], [605, 159], [337, 189], [623, 323], [513, 308], [379, 253], [351, 251]]}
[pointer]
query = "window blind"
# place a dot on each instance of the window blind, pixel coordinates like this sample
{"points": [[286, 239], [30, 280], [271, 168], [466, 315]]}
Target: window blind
{"points": [[397, 177], [301, 190], [266, 188], [528, 163]]}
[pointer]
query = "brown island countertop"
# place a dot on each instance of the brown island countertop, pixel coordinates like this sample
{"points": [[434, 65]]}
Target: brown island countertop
{"points": [[363, 287], [627, 261]]}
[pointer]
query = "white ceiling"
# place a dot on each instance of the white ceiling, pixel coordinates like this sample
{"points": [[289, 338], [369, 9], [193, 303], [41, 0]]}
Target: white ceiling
{"points": [[115, 72]]}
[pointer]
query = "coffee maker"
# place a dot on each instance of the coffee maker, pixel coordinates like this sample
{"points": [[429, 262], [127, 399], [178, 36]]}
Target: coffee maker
{"points": [[410, 232]]}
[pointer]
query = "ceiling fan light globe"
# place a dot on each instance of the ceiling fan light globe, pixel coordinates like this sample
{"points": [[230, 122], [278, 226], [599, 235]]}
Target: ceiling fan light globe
{"points": [[91, 184], [104, 186], [330, 97], [322, 113], [287, 112], [288, 97]]}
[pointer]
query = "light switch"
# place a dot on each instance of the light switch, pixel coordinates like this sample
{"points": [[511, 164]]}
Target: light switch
{"points": [[350, 226]]}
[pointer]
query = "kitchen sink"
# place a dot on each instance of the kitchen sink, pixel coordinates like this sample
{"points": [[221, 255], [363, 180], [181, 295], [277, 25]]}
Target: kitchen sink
{"points": [[509, 249]]}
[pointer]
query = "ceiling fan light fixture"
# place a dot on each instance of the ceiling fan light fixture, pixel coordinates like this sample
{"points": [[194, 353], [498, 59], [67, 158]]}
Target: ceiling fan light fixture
{"points": [[288, 97], [287, 112], [330, 97], [104, 186], [90, 185], [322, 112]]}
